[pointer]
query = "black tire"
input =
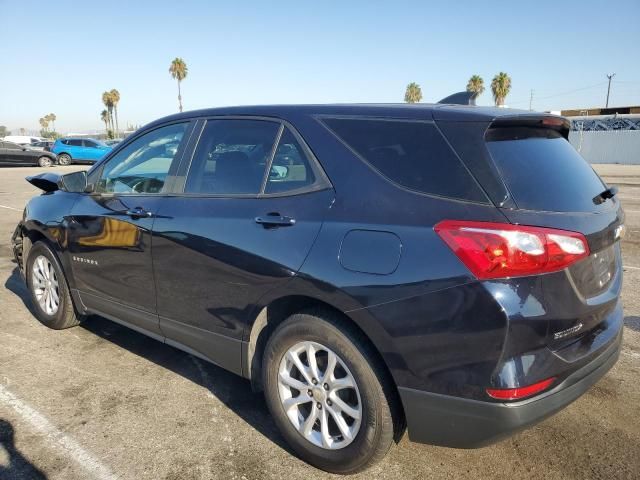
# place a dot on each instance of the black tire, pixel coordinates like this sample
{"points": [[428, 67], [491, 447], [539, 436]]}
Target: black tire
{"points": [[64, 159], [45, 161], [380, 410], [65, 316]]}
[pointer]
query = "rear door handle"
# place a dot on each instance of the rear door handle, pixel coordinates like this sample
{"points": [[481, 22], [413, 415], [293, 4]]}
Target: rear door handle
{"points": [[139, 212], [275, 220]]}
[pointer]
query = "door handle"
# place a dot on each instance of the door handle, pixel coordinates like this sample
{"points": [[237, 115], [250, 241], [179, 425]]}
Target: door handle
{"points": [[275, 220], [139, 212]]}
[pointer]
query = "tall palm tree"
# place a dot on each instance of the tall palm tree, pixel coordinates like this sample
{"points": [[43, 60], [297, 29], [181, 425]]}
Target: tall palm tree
{"points": [[178, 71], [104, 116], [413, 94], [52, 118], [500, 87], [115, 98], [475, 85], [43, 123], [108, 102]]}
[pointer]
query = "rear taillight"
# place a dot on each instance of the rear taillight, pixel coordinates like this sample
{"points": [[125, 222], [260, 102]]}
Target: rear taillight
{"points": [[499, 250], [520, 392]]}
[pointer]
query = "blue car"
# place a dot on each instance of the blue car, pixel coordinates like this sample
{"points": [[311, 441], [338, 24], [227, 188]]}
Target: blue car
{"points": [[79, 150]]}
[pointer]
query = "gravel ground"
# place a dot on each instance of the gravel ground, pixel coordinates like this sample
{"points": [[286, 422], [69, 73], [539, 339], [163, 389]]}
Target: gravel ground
{"points": [[102, 401]]}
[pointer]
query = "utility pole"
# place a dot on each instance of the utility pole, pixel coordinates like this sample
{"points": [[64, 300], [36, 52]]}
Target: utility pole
{"points": [[609, 76], [531, 100]]}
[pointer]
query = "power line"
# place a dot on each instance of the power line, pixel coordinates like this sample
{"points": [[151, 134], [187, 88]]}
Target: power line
{"points": [[568, 92]]}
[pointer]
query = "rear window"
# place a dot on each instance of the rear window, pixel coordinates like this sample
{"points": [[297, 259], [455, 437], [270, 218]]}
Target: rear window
{"points": [[543, 171], [411, 154]]}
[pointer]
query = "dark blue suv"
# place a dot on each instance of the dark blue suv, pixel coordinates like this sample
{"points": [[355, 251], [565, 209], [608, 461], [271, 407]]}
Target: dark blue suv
{"points": [[452, 269]]}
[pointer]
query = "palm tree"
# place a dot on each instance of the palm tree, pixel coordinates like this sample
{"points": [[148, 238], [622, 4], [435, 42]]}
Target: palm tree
{"points": [[108, 102], [178, 71], [104, 116], [500, 86], [115, 98], [475, 85], [413, 94], [43, 123], [52, 118]]}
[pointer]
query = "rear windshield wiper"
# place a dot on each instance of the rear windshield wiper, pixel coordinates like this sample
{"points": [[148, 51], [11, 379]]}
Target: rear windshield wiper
{"points": [[604, 196]]}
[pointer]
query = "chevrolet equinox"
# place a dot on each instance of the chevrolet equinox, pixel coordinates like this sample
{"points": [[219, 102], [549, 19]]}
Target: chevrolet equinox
{"points": [[447, 269]]}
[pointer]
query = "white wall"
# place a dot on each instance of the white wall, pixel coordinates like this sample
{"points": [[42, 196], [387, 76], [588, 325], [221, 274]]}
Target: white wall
{"points": [[609, 146]]}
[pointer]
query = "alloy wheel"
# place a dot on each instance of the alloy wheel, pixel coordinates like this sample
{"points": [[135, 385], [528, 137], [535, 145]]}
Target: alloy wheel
{"points": [[45, 285], [319, 395]]}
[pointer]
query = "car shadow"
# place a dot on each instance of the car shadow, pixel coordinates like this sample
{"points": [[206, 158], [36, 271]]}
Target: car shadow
{"points": [[632, 322], [232, 390], [15, 283], [16, 465]]}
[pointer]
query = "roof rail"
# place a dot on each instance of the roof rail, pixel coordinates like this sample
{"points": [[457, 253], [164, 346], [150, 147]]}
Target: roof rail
{"points": [[460, 98]]}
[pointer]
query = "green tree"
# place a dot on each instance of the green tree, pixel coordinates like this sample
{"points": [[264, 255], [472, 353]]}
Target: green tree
{"points": [[104, 116], [475, 85], [4, 131], [108, 102], [51, 118], [178, 71], [22, 130], [500, 87], [44, 123], [413, 94], [115, 99]]}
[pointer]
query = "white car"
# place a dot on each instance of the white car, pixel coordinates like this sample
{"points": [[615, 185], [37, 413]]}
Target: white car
{"points": [[23, 139]]}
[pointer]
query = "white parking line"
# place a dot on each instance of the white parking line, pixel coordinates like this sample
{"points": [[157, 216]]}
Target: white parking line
{"points": [[55, 436], [631, 268], [10, 208]]}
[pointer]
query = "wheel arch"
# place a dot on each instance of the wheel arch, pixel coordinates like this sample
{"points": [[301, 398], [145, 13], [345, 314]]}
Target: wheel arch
{"points": [[278, 310]]}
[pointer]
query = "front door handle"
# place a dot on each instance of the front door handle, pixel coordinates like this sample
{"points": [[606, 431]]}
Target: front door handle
{"points": [[275, 220], [139, 212]]}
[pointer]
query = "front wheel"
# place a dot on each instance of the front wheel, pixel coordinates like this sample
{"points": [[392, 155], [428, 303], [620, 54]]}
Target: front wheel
{"points": [[48, 287], [44, 161], [64, 159], [327, 394]]}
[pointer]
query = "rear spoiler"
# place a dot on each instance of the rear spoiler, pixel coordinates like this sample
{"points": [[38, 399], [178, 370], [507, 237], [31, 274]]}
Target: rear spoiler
{"points": [[553, 122]]}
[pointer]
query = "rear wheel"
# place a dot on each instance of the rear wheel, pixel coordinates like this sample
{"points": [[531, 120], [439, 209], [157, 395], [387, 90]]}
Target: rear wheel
{"points": [[48, 288], [44, 161], [64, 159], [326, 395]]}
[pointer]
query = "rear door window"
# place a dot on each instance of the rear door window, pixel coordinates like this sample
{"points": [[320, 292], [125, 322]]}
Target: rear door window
{"points": [[231, 157], [290, 168], [543, 171], [409, 153]]}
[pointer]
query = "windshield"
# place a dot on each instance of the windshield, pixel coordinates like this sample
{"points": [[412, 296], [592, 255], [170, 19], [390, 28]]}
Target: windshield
{"points": [[543, 171]]}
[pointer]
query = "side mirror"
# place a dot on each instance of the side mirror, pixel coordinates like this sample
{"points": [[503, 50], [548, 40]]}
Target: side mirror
{"points": [[74, 182]]}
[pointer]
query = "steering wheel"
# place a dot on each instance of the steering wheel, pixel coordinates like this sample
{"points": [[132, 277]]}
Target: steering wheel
{"points": [[147, 185]]}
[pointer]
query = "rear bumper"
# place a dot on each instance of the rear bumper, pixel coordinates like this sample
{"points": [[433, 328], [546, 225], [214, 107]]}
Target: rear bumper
{"points": [[463, 423]]}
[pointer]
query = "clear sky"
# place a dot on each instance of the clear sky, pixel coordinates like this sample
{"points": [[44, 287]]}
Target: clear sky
{"points": [[59, 56]]}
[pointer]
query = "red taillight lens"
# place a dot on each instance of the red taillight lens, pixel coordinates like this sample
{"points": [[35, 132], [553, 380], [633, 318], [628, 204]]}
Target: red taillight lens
{"points": [[499, 250], [520, 392]]}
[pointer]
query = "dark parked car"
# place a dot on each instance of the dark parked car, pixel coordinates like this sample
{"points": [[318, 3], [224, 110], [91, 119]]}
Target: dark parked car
{"points": [[454, 269], [12, 154], [44, 146]]}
